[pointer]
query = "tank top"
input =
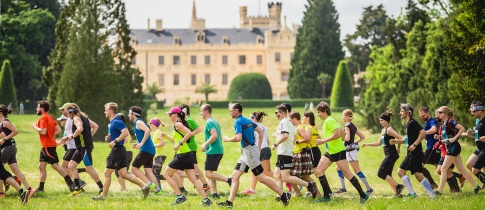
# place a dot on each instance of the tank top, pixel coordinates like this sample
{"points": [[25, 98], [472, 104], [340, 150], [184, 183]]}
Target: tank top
{"points": [[388, 148], [353, 130], [148, 146], [177, 137], [298, 147], [84, 139], [7, 132], [265, 137], [313, 138]]}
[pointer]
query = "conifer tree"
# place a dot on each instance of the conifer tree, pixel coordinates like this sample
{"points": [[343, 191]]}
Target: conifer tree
{"points": [[8, 93], [342, 90]]}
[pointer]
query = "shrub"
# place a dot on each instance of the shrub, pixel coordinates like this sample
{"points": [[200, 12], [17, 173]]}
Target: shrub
{"points": [[250, 86]]}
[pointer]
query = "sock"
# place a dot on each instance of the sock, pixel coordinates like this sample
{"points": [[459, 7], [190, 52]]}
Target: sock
{"points": [[21, 191], [100, 184], [68, 180], [427, 175], [325, 186], [453, 184], [41, 185], [77, 184], [204, 185], [357, 186], [80, 170], [182, 189], [427, 187], [407, 182], [481, 176], [229, 180], [364, 180], [457, 175], [342, 180]]}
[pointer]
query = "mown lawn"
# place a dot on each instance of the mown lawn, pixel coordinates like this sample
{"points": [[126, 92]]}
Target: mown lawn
{"points": [[56, 193]]}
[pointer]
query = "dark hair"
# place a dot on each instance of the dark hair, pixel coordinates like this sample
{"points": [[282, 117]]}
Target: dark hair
{"points": [[282, 108], [44, 104], [185, 108], [386, 115], [238, 107], [182, 118], [207, 107], [4, 110], [121, 116], [310, 115], [324, 107], [296, 115], [288, 106], [136, 110], [259, 116], [424, 109]]}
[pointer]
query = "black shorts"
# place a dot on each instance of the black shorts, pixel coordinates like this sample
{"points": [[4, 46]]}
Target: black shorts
{"points": [[337, 156], [9, 154], [387, 166], [453, 149], [195, 157], [413, 162], [477, 151], [284, 162], [182, 161], [480, 163], [83, 154], [265, 154], [68, 154], [49, 155], [212, 162], [4, 174], [316, 155], [432, 156], [144, 159], [442, 160], [116, 158]]}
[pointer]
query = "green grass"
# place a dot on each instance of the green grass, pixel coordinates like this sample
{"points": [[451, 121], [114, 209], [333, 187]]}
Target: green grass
{"points": [[56, 193]]}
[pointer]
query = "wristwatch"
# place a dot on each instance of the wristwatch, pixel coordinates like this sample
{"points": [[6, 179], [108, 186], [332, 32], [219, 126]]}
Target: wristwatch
{"points": [[180, 143]]}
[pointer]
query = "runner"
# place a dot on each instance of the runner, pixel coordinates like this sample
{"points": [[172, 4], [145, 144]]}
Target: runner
{"points": [[431, 156], [156, 135]]}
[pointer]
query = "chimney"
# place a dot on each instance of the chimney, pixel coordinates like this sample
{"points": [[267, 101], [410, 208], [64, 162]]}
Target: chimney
{"points": [[159, 25], [148, 24]]}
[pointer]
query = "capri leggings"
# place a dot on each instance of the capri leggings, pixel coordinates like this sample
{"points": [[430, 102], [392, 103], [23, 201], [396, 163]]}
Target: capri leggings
{"points": [[387, 166]]}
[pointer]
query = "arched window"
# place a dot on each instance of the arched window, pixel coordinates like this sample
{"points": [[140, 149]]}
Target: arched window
{"points": [[200, 36]]}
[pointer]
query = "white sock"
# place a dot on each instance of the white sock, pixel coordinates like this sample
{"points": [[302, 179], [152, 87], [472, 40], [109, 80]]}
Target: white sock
{"points": [[407, 182], [427, 187]]}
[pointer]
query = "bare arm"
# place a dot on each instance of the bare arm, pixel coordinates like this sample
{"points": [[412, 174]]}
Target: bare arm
{"points": [[347, 134], [14, 130], [140, 125], [260, 132], [94, 127], [361, 136], [235, 138], [304, 135]]}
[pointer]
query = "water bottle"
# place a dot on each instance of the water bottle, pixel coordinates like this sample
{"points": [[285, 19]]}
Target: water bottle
{"points": [[406, 140], [382, 140], [476, 135]]}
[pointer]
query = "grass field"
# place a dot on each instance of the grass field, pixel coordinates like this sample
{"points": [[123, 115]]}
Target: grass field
{"points": [[56, 193]]}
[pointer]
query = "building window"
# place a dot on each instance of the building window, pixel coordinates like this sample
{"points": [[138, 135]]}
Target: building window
{"points": [[176, 60], [242, 59], [207, 78], [259, 59], [161, 80], [207, 60], [224, 59], [193, 59], [224, 79], [175, 79], [284, 76], [193, 79], [133, 61], [277, 57], [161, 60]]}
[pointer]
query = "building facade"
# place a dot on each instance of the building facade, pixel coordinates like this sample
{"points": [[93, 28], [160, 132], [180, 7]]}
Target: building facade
{"points": [[180, 60]]}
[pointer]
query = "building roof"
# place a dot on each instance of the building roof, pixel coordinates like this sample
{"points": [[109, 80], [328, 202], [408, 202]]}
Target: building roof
{"points": [[189, 36]]}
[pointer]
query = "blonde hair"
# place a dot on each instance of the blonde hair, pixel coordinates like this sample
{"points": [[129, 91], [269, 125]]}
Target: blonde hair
{"points": [[349, 114], [112, 106], [447, 110]]}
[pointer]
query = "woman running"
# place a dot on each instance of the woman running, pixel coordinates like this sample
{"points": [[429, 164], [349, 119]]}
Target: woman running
{"points": [[156, 134], [390, 152]]}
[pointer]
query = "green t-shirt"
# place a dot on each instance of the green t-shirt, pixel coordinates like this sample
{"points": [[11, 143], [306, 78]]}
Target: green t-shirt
{"points": [[215, 148], [336, 145], [192, 126]]}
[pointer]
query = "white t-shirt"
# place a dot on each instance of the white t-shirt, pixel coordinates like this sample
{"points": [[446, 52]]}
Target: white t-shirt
{"points": [[285, 126], [68, 131], [265, 137]]}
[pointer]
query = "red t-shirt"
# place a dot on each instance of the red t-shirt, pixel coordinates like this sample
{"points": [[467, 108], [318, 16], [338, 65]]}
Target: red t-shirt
{"points": [[47, 121]]}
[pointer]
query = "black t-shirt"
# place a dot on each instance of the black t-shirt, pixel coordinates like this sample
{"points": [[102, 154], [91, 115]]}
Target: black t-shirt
{"points": [[353, 130], [480, 129], [412, 131]]}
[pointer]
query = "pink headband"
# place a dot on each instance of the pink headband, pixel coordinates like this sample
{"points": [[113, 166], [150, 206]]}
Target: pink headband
{"points": [[154, 122]]}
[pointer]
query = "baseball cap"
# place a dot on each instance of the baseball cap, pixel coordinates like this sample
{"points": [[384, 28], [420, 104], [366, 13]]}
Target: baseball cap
{"points": [[174, 109], [64, 106], [62, 117]]}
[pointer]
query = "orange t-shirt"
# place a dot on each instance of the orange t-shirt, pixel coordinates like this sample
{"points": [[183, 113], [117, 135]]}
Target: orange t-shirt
{"points": [[47, 121]]}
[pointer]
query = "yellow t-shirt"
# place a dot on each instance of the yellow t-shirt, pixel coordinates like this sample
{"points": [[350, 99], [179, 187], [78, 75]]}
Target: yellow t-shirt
{"points": [[313, 138], [298, 147], [156, 140]]}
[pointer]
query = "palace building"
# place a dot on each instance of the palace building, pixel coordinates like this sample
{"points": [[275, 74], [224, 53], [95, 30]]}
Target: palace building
{"points": [[180, 60]]}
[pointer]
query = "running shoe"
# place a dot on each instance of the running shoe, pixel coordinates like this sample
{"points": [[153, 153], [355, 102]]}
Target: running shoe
{"points": [[341, 190], [462, 181], [24, 196], [179, 200], [145, 190], [7, 187], [100, 191], [285, 198], [248, 192], [184, 192], [412, 196], [229, 181], [438, 193], [312, 187], [307, 194], [98, 198], [399, 189], [207, 188], [322, 200], [363, 200], [2, 195], [476, 189], [206, 202], [82, 183], [369, 192], [77, 192], [216, 196], [31, 191], [152, 186], [159, 192], [483, 187], [226, 204]]}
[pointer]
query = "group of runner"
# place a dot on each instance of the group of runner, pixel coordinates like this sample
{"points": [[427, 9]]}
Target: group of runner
{"points": [[296, 142]]}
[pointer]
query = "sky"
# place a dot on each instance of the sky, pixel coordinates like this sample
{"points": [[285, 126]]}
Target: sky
{"points": [[225, 13]]}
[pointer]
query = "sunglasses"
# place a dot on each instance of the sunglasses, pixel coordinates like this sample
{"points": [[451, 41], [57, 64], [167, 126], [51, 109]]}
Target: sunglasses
{"points": [[440, 112], [276, 112]]}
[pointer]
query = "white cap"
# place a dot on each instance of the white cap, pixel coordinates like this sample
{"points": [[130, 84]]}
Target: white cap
{"points": [[62, 117]]}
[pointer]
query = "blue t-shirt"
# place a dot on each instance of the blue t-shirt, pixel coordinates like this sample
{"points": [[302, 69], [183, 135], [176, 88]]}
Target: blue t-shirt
{"points": [[430, 140], [148, 146], [246, 128], [114, 129]]}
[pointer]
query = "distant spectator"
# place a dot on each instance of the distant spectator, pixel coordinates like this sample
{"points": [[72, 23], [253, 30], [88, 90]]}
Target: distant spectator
{"points": [[10, 106], [21, 107], [306, 106]]}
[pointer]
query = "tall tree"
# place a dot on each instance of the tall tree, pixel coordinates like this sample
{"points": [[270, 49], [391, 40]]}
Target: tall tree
{"points": [[342, 88], [318, 50], [7, 88]]}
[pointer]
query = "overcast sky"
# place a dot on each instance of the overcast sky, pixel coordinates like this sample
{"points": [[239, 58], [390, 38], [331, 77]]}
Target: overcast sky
{"points": [[225, 13]]}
